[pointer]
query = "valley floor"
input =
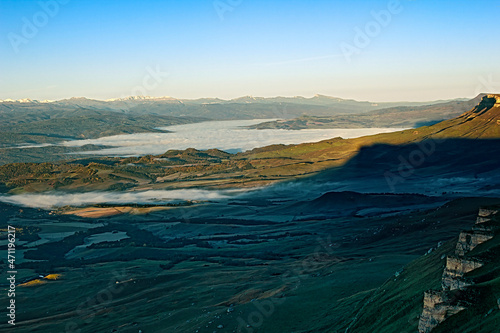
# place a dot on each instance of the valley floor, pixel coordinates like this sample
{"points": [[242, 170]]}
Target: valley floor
{"points": [[168, 271]]}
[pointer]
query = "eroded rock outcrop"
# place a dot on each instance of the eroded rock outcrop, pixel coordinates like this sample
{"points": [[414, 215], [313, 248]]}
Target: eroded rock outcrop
{"points": [[438, 306], [487, 102], [455, 270], [485, 215], [468, 240], [494, 96], [442, 304]]}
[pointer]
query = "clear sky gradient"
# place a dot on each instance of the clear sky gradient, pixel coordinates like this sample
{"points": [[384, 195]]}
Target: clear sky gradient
{"points": [[106, 49]]}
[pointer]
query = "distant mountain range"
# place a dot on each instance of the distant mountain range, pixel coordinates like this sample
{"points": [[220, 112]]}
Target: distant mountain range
{"points": [[465, 147], [30, 122], [396, 117], [316, 99], [246, 107]]}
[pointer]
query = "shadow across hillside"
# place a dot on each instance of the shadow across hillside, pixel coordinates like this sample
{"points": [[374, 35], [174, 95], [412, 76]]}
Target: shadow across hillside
{"points": [[428, 123], [461, 166]]}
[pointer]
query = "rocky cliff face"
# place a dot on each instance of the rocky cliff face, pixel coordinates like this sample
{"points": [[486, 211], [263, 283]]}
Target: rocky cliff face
{"points": [[485, 214], [442, 304], [456, 268], [468, 240], [495, 97], [438, 305], [486, 104]]}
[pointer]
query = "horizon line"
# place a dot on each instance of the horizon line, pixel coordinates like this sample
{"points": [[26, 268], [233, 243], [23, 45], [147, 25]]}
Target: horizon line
{"points": [[142, 97]]}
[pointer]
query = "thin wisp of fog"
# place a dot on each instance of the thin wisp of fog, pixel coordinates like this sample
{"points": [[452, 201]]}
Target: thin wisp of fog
{"points": [[55, 199]]}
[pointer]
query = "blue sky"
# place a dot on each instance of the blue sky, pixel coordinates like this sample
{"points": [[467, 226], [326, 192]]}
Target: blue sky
{"points": [[421, 50]]}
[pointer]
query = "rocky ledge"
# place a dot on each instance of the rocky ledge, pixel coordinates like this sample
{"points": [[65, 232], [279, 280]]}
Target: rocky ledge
{"points": [[494, 96], [438, 305], [455, 270], [442, 304]]}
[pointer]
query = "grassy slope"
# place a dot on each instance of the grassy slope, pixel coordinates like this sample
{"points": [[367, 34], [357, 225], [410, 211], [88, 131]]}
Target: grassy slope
{"points": [[194, 290], [397, 304], [483, 315]]}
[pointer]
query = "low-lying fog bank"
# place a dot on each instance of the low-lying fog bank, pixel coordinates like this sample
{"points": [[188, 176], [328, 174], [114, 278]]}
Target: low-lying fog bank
{"points": [[231, 136], [57, 199]]}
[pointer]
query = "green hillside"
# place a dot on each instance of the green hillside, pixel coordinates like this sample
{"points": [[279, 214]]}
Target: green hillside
{"points": [[397, 305]]}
